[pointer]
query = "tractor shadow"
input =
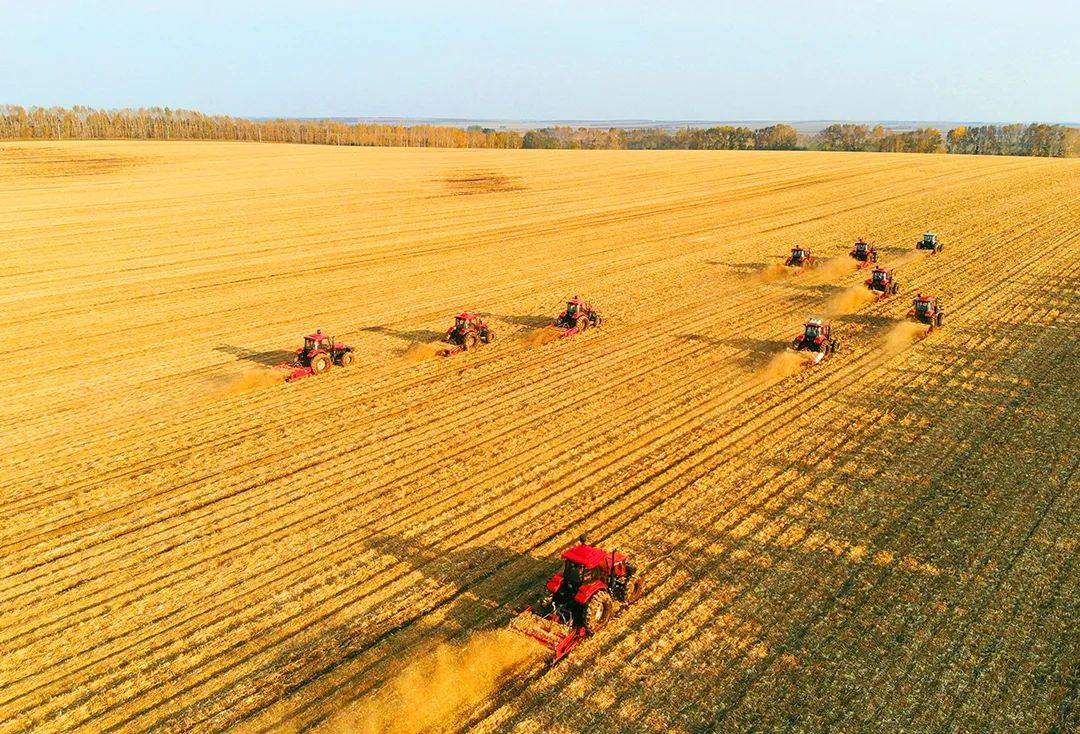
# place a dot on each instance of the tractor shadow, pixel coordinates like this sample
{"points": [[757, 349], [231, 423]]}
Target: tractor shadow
{"points": [[872, 322], [497, 577], [758, 351], [266, 359], [820, 289], [532, 322], [409, 335]]}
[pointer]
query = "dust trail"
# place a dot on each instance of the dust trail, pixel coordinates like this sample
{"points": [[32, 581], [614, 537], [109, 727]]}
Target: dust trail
{"points": [[538, 337], [439, 686], [833, 267], [775, 272], [786, 363], [254, 380], [903, 334], [850, 300], [419, 351]]}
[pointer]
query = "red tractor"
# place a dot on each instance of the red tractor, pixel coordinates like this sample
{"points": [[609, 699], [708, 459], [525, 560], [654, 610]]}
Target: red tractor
{"points": [[864, 252], [468, 331], [927, 310], [800, 257], [581, 598], [930, 242], [817, 338], [317, 355], [577, 317], [882, 282]]}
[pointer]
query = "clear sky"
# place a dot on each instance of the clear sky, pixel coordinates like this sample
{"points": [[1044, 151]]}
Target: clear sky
{"points": [[994, 60]]}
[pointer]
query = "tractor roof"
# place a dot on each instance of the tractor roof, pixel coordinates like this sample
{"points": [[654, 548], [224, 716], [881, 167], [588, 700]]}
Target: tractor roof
{"points": [[921, 297], [813, 322], [577, 300], [466, 315], [317, 336], [588, 556]]}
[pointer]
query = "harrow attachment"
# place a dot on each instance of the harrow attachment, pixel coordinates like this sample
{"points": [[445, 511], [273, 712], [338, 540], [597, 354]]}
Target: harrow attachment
{"points": [[554, 635], [296, 371]]}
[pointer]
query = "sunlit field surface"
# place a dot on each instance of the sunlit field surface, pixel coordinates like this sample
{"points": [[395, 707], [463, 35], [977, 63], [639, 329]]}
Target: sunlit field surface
{"points": [[883, 542]]}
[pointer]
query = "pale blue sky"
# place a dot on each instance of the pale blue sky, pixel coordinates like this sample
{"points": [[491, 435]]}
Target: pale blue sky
{"points": [[549, 59]]}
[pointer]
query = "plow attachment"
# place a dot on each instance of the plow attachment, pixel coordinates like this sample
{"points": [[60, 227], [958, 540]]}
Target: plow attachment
{"points": [[554, 635], [451, 351]]}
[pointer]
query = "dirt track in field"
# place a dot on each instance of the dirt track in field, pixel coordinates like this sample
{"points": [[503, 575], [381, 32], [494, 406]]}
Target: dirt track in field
{"points": [[887, 540]]}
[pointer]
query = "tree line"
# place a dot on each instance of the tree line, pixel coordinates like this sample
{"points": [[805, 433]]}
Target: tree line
{"points": [[163, 123], [1038, 139], [724, 137]]}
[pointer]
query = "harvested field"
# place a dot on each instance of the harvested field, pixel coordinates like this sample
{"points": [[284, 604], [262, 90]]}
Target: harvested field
{"points": [[884, 542]]}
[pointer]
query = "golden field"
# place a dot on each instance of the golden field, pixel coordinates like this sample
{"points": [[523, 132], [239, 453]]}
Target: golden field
{"points": [[886, 542]]}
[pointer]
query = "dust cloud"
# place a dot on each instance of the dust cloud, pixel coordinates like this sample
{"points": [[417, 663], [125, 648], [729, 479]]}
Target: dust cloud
{"points": [[775, 272], [903, 334], [786, 363], [538, 337], [439, 685], [419, 351], [833, 267], [253, 380], [850, 300]]}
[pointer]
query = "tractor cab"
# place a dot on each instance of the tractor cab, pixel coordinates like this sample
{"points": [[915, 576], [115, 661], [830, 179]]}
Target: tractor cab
{"points": [[575, 306], [813, 329], [798, 254], [880, 276], [317, 341], [923, 305], [463, 321], [927, 310], [862, 247], [929, 239]]}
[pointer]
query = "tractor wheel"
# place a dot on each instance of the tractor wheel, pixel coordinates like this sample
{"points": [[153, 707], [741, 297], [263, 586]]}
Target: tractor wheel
{"points": [[598, 612], [582, 323], [469, 342], [346, 359], [633, 589], [488, 336], [597, 320], [320, 363], [938, 319]]}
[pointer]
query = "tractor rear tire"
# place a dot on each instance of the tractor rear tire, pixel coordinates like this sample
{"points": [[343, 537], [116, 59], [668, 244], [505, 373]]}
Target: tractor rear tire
{"points": [[598, 612], [582, 323], [469, 342], [633, 589], [488, 336], [320, 364], [346, 359]]}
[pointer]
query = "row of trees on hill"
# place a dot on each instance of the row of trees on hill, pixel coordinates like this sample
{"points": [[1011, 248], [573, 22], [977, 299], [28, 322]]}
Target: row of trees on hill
{"points": [[1017, 139], [163, 123], [724, 137]]}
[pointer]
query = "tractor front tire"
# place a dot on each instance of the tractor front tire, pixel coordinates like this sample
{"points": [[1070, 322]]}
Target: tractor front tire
{"points": [[488, 336], [320, 364], [598, 612], [633, 589], [346, 359], [582, 323], [469, 342]]}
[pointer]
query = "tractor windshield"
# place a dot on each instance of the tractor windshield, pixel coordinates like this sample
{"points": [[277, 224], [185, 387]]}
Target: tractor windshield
{"points": [[309, 344], [928, 238], [459, 323], [860, 247], [797, 254], [879, 275], [571, 309], [922, 306], [812, 332], [575, 574]]}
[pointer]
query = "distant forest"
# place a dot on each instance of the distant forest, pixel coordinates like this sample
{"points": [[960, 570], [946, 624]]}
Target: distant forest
{"points": [[163, 123]]}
